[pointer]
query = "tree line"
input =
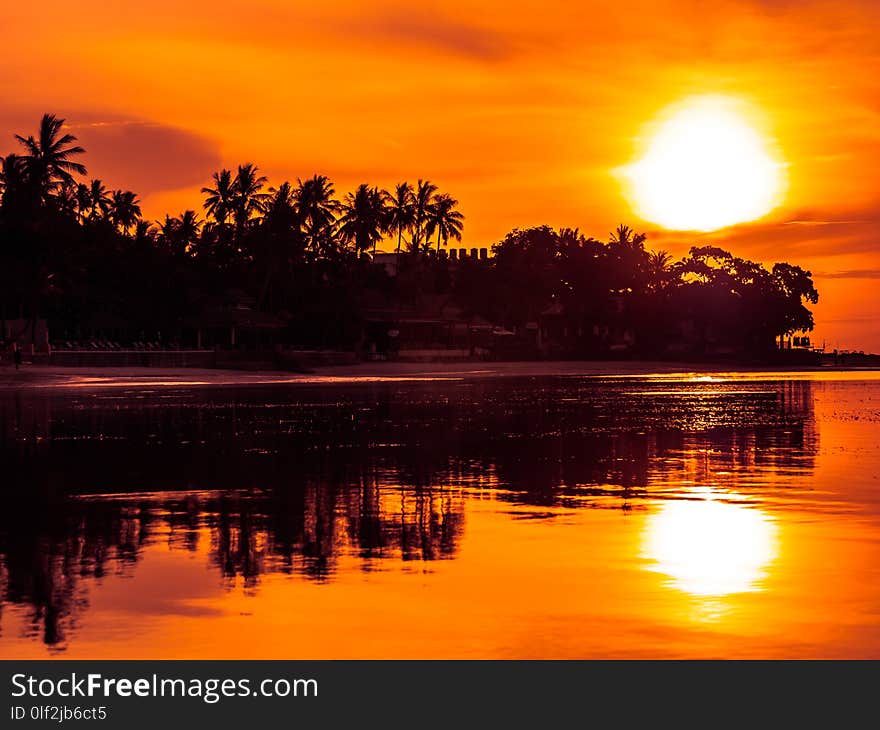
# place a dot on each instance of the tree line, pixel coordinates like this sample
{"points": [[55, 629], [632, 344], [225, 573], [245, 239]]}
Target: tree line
{"points": [[71, 249]]}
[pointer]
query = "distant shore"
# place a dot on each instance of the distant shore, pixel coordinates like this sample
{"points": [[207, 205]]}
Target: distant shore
{"points": [[35, 376]]}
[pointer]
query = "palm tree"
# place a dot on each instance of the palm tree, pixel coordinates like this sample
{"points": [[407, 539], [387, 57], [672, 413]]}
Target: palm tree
{"points": [[125, 209], [248, 198], [363, 218], [569, 238], [13, 182], [144, 233], [445, 220], [83, 201], [220, 201], [181, 233], [627, 237], [48, 160], [659, 261], [188, 227], [316, 209], [11, 172], [424, 197], [629, 260], [659, 269], [100, 200], [400, 207], [280, 208], [279, 243], [66, 199], [167, 230]]}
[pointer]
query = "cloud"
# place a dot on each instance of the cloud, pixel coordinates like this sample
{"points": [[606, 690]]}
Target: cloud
{"points": [[140, 155], [146, 156], [436, 32], [850, 274], [802, 237]]}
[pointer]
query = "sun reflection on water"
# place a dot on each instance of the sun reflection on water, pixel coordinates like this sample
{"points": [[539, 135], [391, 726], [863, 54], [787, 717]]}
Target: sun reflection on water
{"points": [[711, 548]]}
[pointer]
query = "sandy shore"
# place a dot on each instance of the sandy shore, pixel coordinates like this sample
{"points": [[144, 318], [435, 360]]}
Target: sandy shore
{"points": [[56, 377]]}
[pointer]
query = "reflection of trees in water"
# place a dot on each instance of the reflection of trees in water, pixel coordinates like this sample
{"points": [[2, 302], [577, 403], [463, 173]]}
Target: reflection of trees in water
{"points": [[373, 475], [50, 552], [700, 437], [44, 554], [259, 438]]}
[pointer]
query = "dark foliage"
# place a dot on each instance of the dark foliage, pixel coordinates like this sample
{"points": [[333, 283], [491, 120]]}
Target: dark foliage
{"points": [[83, 256]]}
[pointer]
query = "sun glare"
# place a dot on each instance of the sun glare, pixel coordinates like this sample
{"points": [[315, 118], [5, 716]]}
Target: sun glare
{"points": [[705, 167], [709, 547]]}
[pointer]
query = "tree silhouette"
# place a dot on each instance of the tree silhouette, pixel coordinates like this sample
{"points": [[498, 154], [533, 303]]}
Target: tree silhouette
{"points": [[626, 237], [14, 186], [280, 212], [72, 250], [180, 234], [125, 209], [316, 208], [445, 220], [401, 210], [95, 199], [363, 219], [280, 243], [220, 201], [144, 233], [423, 198], [248, 199], [48, 162]]}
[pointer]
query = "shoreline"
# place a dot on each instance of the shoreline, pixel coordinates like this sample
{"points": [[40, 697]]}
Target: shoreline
{"points": [[42, 376]]}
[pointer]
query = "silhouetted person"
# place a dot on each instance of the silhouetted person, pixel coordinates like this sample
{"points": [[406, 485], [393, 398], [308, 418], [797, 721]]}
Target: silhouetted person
{"points": [[16, 355]]}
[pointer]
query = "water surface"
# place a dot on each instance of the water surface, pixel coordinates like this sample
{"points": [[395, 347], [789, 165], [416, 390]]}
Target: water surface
{"points": [[479, 517]]}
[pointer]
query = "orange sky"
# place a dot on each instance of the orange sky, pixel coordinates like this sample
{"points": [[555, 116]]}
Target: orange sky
{"points": [[521, 110]]}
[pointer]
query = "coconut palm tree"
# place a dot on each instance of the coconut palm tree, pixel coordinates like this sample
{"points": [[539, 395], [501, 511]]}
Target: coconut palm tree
{"points": [[279, 242], [11, 173], [166, 229], [14, 185], [188, 227], [144, 233], [423, 199], [280, 208], [659, 267], [627, 237], [66, 200], [100, 200], [248, 198], [48, 161], [125, 209], [660, 261], [181, 233], [445, 220], [220, 201], [569, 239], [400, 207], [83, 201], [316, 209], [363, 218]]}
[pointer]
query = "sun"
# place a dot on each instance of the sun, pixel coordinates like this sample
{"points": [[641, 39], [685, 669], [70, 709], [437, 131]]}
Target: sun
{"points": [[705, 167]]}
